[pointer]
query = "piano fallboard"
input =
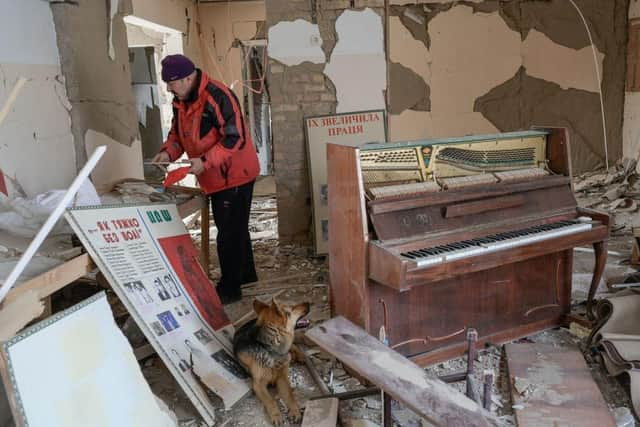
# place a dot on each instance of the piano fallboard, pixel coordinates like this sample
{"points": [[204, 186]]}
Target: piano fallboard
{"points": [[389, 268]]}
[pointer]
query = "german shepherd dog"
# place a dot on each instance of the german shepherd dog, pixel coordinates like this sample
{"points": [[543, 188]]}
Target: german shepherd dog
{"points": [[264, 347]]}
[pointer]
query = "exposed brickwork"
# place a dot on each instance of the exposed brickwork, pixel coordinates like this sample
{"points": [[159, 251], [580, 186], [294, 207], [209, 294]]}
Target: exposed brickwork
{"points": [[296, 92]]}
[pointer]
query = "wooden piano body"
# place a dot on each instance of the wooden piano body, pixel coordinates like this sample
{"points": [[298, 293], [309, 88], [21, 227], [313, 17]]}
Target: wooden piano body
{"points": [[503, 294]]}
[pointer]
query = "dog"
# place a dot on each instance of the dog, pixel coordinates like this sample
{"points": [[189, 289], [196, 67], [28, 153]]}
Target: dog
{"points": [[264, 347]]}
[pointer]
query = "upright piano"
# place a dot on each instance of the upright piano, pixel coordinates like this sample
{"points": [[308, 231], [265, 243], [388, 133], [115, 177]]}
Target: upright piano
{"points": [[430, 238]]}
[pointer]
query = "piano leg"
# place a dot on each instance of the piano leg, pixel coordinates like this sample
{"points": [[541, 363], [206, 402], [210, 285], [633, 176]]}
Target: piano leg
{"points": [[600, 249]]}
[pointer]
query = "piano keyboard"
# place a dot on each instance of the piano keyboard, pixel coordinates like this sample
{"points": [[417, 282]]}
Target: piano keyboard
{"points": [[482, 245]]}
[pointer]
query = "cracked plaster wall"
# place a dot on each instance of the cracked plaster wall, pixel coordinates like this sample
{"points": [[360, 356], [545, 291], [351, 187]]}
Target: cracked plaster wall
{"points": [[298, 91], [222, 24], [631, 127], [36, 145], [515, 44], [516, 64], [99, 88]]}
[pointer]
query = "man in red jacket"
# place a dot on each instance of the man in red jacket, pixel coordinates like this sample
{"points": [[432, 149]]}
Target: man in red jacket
{"points": [[208, 125]]}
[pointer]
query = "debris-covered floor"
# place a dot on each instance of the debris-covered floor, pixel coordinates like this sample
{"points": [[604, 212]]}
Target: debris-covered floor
{"points": [[293, 274]]}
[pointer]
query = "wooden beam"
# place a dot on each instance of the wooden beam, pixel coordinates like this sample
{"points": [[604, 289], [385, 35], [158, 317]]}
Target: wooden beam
{"points": [[400, 378], [54, 279]]}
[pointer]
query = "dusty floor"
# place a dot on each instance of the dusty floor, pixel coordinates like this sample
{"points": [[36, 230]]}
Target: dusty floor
{"points": [[294, 274]]}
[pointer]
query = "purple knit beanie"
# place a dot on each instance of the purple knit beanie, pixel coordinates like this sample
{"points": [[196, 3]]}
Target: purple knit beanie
{"points": [[176, 67]]}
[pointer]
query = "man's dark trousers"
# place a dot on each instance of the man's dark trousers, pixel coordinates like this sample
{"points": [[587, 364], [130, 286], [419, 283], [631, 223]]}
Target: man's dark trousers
{"points": [[231, 208]]}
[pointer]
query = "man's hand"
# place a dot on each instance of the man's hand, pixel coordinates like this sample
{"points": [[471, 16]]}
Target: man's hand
{"points": [[161, 157], [197, 166]]}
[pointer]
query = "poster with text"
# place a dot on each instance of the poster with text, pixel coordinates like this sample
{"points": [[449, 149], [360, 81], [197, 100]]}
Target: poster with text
{"points": [[147, 255], [348, 129]]}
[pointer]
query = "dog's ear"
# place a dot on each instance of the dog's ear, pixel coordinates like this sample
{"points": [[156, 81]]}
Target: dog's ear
{"points": [[276, 305], [259, 306]]}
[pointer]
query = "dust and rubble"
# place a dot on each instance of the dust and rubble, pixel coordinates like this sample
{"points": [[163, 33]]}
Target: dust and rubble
{"points": [[293, 274]]}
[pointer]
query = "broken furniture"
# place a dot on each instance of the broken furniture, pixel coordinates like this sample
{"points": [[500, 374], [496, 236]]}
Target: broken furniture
{"points": [[445, 234], [552, 386], [397, 376]]}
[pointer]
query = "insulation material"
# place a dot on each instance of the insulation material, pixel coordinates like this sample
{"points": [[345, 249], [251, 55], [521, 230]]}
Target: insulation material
{"points": [[293, 43], [118, 162], [550, 61], [357, 66], [113, 10], [89, 364]]}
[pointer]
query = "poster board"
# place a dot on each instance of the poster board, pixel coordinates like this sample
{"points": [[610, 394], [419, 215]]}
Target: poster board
{"points": [[348, 129], [77, 369], [147, 255]]}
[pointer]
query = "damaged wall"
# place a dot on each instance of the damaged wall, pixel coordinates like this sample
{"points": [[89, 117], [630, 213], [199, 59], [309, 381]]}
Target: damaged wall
{"points": [[297, 91], [516, 64], [37, 144], [222, 26], [631, 128], [180, 15], [98, 85]]}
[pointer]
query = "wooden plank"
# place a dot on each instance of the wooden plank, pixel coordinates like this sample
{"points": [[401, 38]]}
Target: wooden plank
{"points": [[54, 279], [321, 413], [16, 315], [348, 220], [405, 381], [552, 386]]}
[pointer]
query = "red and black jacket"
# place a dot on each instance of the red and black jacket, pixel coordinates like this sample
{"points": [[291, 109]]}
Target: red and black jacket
{"points": [[210, 125]]}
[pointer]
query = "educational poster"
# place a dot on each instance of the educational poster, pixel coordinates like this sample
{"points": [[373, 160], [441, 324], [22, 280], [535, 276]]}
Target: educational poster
{"points": [[77, 369], [348, 129], [146, 253]]}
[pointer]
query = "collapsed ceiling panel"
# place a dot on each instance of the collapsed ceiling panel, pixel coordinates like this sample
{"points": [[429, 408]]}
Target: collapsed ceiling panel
{"points": [[357, 66], [293, 43], [547, 60]]}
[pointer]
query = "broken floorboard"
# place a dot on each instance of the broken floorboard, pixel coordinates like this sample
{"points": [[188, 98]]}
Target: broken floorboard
{"points": [[321, 413], [405, 381], [552, 386]]}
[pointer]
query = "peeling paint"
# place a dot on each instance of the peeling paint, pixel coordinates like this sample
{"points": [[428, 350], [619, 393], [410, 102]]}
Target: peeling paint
{"points": [[408, 90], [406, 50], [113, 10], [548, 104], [357, 66], [293, 43], [486, 54], [547, 60]]}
